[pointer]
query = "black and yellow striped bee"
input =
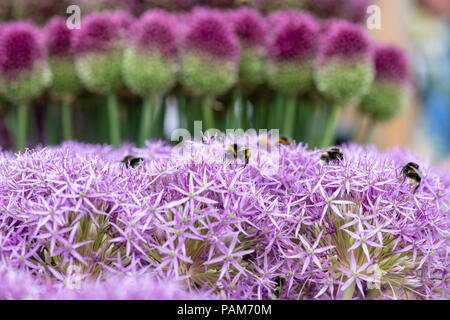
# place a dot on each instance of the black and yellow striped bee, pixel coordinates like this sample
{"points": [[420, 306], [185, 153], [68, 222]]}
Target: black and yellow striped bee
{"points": [[131, 161], [412, 174], [279, 284], [234, 150], [333, 154], [286, 141]]}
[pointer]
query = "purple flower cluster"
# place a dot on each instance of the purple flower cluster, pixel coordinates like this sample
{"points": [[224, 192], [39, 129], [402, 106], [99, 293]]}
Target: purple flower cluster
{"points": [[58, 37], [349, 229], [295, 36], [208, 32], [345, 41], [352, 10], [250, 27], [21, 46], [391, 64], [100, 31], [156, 30]]}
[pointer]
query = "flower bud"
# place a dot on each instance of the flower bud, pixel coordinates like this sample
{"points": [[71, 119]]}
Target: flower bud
{"points": [[250, 27], [210, 53], [344, 69], [99, 52], [292, 48], [59, 46], [390, 91], [150, 62], [24, 71]]}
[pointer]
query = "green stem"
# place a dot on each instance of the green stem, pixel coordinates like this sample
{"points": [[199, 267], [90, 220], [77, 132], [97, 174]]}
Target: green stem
{"points": [[21, 125], [114, 121], [369, 131], [348, 293], [244, 111], [330, 129], [146, 124], [52, 123], [289, 116], [66, 113], [207, 114]]}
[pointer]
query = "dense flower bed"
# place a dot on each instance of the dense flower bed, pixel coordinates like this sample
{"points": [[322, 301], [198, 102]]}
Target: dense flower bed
{"points": [[74, 215]]}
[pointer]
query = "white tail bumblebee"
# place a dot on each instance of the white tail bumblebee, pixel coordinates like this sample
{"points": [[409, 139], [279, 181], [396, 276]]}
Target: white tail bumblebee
{"points": [[131, 161], [412, 174], [286, 141], [333, 154], [233, 151], [279, 285]]}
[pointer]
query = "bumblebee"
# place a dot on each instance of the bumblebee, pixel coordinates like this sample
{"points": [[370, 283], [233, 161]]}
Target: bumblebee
{"points": [[131, 161], [333, 154], [279, 284], [286, 141], [412, 174], [233, 152]]}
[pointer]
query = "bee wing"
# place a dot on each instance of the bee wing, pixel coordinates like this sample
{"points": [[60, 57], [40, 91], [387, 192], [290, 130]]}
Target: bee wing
{"points": [[417, 172]]}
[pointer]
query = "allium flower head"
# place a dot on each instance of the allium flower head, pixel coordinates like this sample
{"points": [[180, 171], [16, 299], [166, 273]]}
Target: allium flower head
{"points": [[390, 90], [251, 28], [341, 230], [209, 42], [21, 47], [58, 37], [344, 69], [150, 63], [291, 49], [99, 48], [23, 65], [60, 48], [123, 19], [356, 10], [99, 32]]}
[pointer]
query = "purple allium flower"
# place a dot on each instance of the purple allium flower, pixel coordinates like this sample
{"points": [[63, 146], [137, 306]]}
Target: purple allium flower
{"points": [[123, 19], [251, 28], [294, 38], [21, 47], [58, 37], [390, 90], [99, 32], [344, 67], [156, 30], [209, 42], [129, 287], [346, 41], [60, 48], [19, 285], [23, 62], [292, 47], [150, 64], [210, 33], [356, 10], [391, 64], [99, 48], [350, 229]]}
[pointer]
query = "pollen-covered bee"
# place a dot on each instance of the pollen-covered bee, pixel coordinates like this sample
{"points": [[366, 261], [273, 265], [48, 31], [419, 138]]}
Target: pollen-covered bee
{"points": [[333, 154], [131, 161], [279, 284], [234, 150], [412, 174], [286, 141]]}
